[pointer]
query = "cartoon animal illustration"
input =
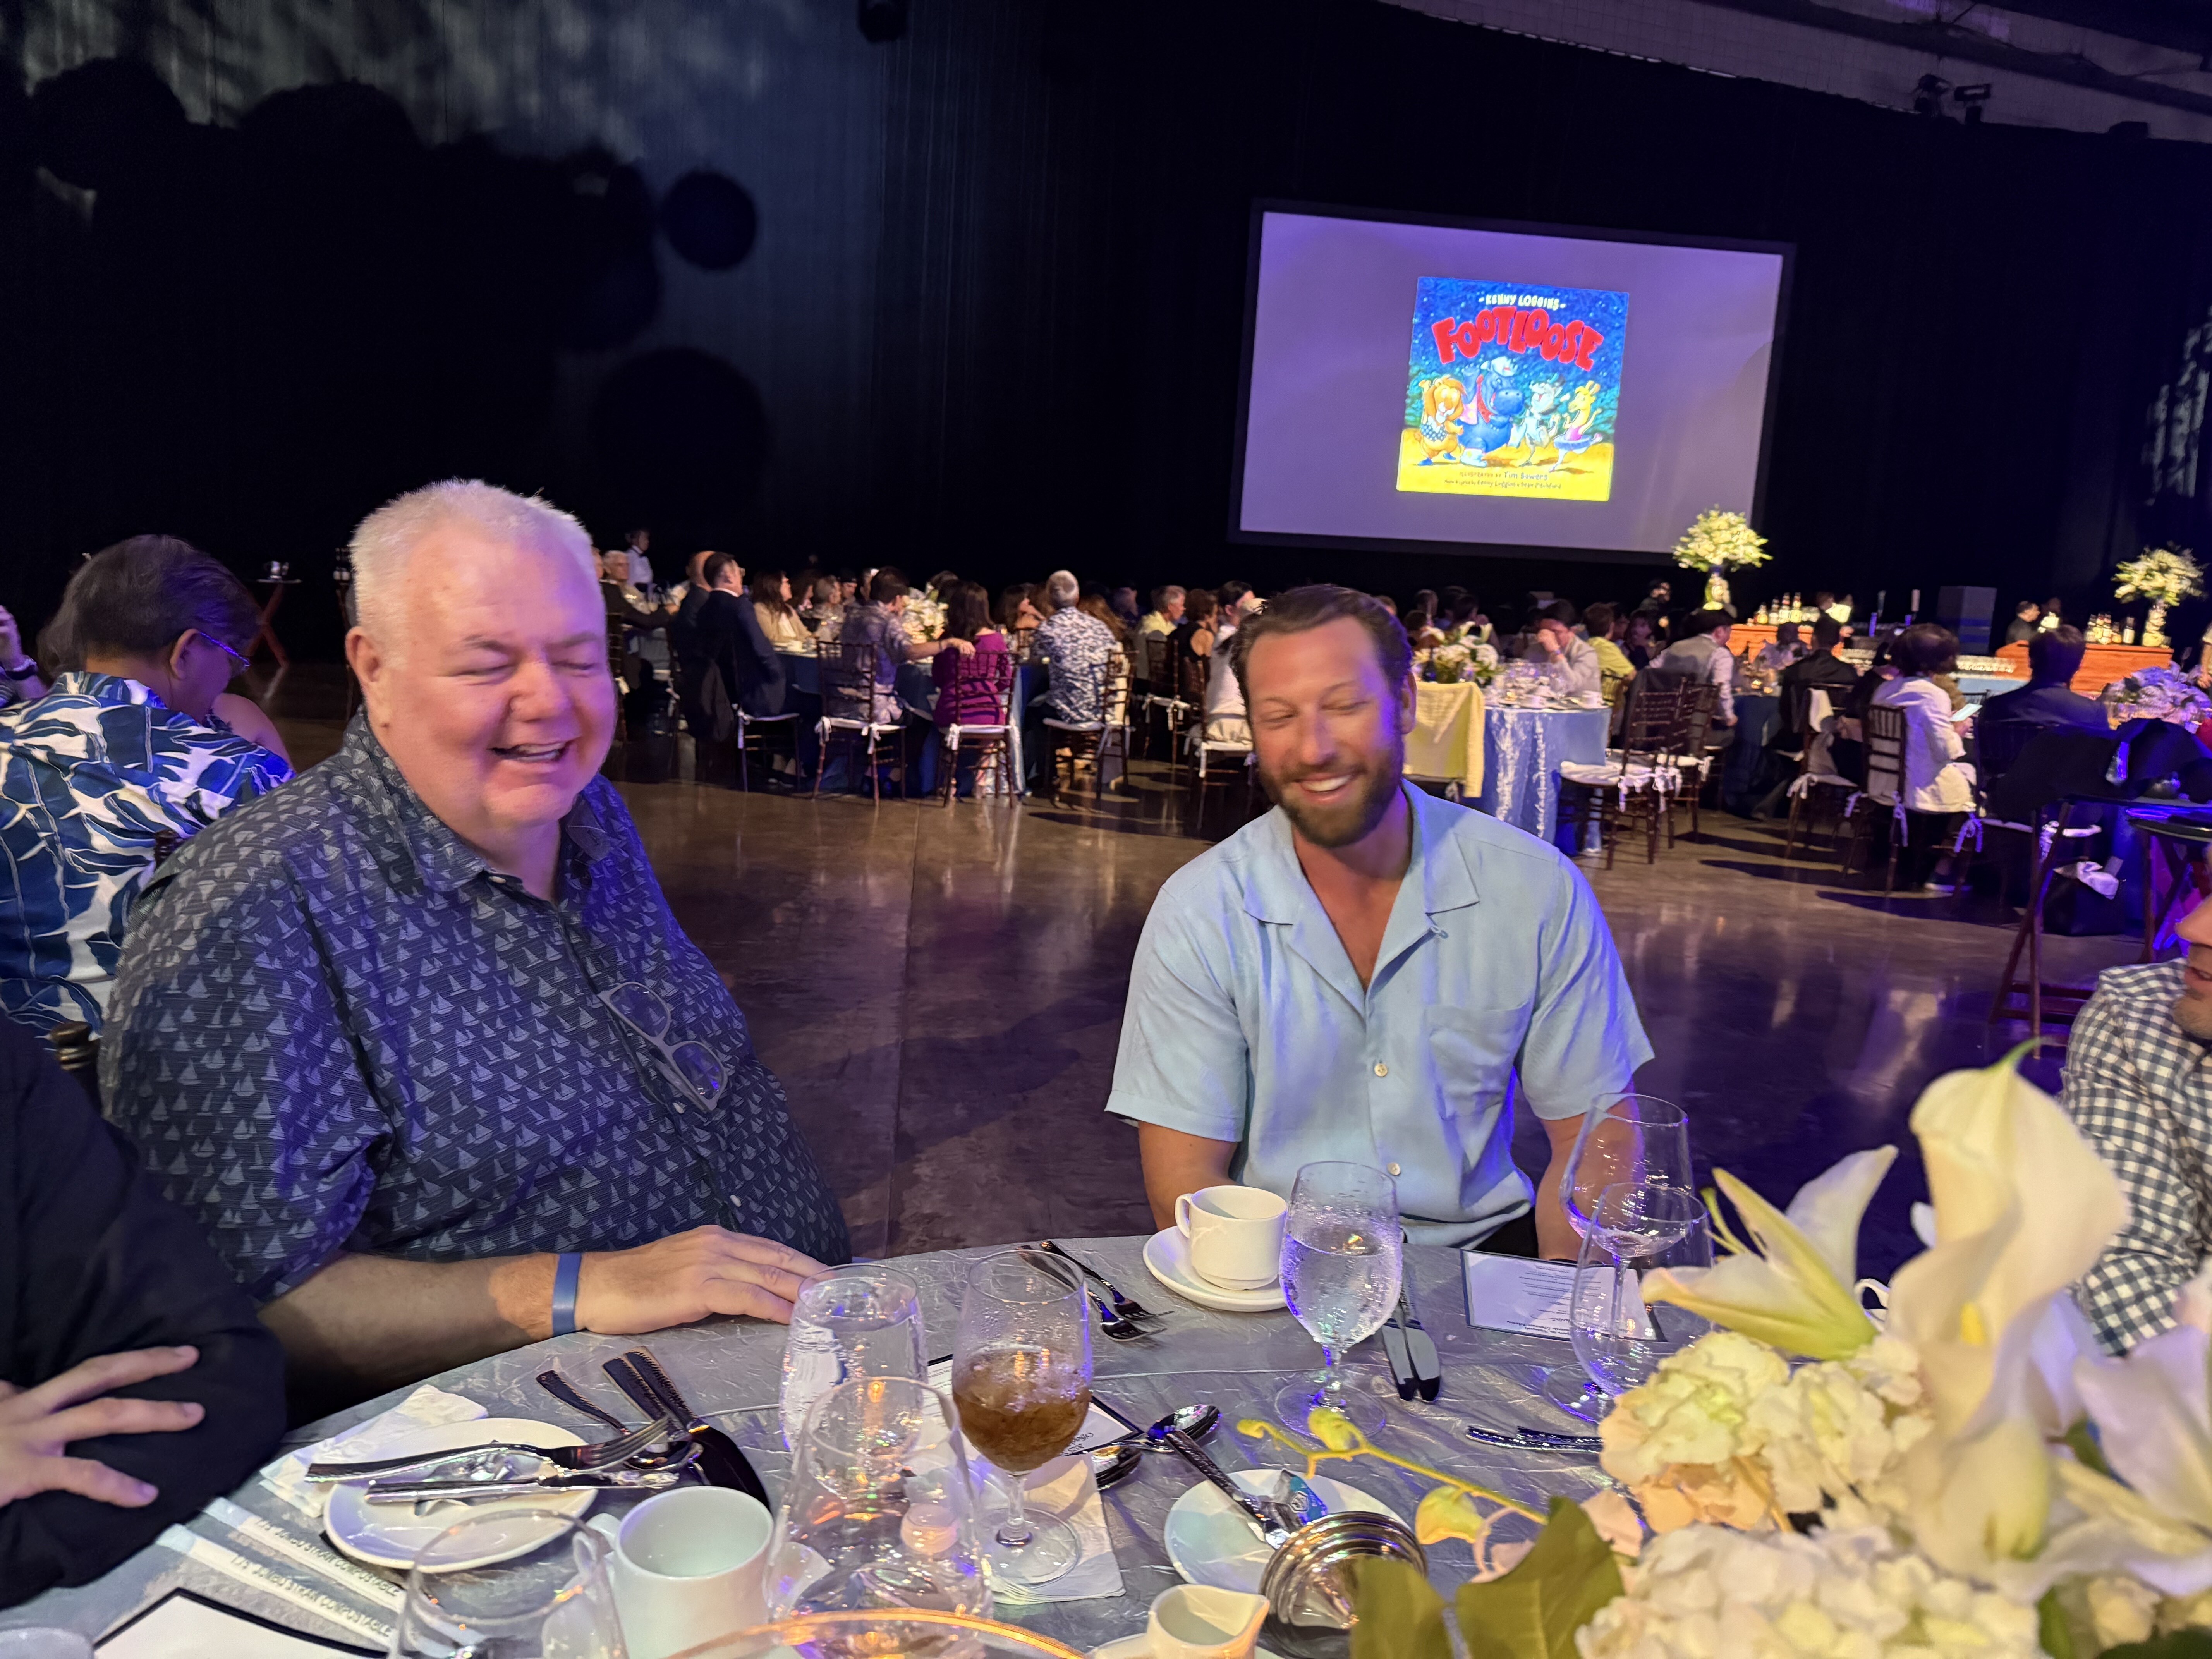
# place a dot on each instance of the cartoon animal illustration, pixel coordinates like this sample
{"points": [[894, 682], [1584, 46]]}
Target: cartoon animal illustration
{"points": [[1580, 435], [1442, 399], [1540, 421], [1494, 404]]}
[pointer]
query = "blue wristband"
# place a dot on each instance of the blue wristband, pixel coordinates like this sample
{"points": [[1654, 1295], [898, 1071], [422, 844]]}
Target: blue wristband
{"points": [[569, 1269]]}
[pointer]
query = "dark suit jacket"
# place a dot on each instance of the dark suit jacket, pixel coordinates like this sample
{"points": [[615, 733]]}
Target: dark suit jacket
{"points": [[101, 1262], [1823, 669], [731, 638], [2050, 705]]}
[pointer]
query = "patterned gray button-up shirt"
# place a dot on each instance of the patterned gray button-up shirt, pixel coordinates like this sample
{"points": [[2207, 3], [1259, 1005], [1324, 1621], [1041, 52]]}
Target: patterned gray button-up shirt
{"points": [[2141, 1089], [335, 1029]]}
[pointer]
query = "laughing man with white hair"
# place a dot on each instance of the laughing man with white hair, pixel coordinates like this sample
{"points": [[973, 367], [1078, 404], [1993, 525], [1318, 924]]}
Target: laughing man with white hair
{"points": [[422, 1047]]}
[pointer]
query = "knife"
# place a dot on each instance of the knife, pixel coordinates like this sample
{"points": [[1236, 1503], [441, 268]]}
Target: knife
{"points": [[638, 1375], [1420, 1350], [1270, 1524], [635, 1480]]}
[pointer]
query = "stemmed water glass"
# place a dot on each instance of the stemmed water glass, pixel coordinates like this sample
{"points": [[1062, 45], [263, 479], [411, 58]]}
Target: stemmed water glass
{"points": [[1632, 1140], [1021, 1379], [1343, 1257], [863, 1319], [1618, 1339], [472, 1591]]}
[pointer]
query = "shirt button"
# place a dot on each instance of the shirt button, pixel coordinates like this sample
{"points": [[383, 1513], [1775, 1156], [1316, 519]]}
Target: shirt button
{"points": [[1391, 1169], [1381, 1070]]}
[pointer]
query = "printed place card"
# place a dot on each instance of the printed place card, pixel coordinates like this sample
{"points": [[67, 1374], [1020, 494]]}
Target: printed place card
{"points": [[1513, 1293]]}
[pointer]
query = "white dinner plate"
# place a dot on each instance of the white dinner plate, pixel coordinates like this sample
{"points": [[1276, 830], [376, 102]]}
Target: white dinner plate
{"points": [[1139, 1646], [392, 1534], [1167, 1253], [1210, 1542]]}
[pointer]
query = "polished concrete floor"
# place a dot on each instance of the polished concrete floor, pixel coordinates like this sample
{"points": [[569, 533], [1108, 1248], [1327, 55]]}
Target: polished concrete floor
{"points": [[940, 990]]}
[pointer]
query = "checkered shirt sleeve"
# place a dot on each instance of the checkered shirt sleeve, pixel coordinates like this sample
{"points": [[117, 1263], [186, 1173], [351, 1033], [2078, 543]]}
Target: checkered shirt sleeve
{"points": [[2140, 1090]]}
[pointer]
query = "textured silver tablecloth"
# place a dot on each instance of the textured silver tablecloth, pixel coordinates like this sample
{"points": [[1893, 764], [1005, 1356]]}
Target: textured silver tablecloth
{"points": [[731, 1370]]}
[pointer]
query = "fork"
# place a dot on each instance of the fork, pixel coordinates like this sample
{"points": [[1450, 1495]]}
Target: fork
{"points": [[605, 1453], [1124, 1307]]}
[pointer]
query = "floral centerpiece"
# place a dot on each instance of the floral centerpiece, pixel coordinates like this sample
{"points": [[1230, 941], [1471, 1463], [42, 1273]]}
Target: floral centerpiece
{"points": [[924, 618], [1717, 543], [2157, 694], [2164, 576], [1968, 1474], [1457, 659]]}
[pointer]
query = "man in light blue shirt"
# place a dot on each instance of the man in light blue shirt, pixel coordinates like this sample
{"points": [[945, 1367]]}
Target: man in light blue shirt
{"points": [[1366, 972]]}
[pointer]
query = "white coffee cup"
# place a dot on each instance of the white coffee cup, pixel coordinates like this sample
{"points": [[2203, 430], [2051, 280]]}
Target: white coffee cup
{"points": [[1202, 1621], [1236, 1235], [686, 1567]]}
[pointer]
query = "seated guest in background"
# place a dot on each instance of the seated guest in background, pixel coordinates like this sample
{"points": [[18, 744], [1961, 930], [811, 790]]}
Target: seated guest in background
{"points": [[940, 585], [770, 593], [879, 623], [848, 589], [827, 612], [1658, 595], [1819, 668], [1363, 973], [1018, 611], [968, 692], [2137, 1086], [2048, 702], [731, 637], [127, 744], [1569, 662], [20, 679], [138, 1383], [1190, 647], [1936, 790], [1095, 606], [472, 1035], [1702, 653], [2050, 617], [1166, 613], [1638, 642], [2021, 628], [1123, 602], [1079, 649], [1614, 670], [1238, 601], [1785, 650]]}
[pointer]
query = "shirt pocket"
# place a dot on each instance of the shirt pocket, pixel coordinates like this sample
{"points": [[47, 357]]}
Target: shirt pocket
{"points": [[1473, 1050]]}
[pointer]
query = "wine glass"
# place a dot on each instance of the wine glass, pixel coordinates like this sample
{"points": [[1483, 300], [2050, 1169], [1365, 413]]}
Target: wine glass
{"points": [[1618, 1339], [878, 1512], [1021, 1379], [864, 1319], [472, 1591], [1637, 1140], [1343, 1257]]}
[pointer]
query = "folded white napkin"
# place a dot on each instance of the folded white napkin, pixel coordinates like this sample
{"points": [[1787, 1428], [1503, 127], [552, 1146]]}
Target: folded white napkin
{"points": [[1064, 1488], [425, 1408]]}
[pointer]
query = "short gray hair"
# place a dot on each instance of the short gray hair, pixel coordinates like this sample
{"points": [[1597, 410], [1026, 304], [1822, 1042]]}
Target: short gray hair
{"points": [[386, 538], [1060, 588]]}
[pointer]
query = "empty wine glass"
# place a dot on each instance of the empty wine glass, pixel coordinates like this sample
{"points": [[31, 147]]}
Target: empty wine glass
{"points": [[1634, 1139], [864, 1319], [878, 1512], [1021, 1379], [1619, 1341], [1343, 1256], [526, 1584]]}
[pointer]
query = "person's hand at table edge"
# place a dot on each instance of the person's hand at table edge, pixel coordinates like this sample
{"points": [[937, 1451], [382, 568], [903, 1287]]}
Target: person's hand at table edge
{"points": [[37, 1423], [687, 1277]]}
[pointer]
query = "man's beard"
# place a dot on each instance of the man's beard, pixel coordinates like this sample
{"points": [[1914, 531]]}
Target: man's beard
{"points": [[1354, 813], [2194, 1015]]}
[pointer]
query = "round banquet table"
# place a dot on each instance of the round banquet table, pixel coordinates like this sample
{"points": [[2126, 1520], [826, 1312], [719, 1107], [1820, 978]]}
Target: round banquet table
{"points": [[1521, 778], [731, 1372]]}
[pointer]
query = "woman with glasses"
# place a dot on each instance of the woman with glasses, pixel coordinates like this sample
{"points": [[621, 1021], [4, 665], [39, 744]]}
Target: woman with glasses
{"points": [[135, 740]]}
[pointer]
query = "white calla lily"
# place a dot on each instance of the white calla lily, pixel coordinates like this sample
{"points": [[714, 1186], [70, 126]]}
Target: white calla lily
{"points": [[2024, 1206], [1793, 1288], [2153, 1412]]}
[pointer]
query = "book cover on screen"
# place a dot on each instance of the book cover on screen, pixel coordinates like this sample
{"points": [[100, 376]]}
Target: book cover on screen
{"points": [[1513, 389]]}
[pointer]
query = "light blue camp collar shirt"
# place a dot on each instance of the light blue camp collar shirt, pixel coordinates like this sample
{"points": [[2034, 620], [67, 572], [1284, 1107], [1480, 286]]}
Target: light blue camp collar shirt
{"points": [[1246, 1022]]}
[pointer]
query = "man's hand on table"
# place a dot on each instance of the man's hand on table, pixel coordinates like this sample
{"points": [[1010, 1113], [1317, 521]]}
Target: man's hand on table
{"points": [[686, 1277], [36, 1424]]}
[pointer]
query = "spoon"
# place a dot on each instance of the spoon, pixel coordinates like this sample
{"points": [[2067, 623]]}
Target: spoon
{"points": [[1118, 1458]]}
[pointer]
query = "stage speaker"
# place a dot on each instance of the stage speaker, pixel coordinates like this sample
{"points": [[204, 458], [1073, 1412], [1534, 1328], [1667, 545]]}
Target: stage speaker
{"points": [[1966, 612]]}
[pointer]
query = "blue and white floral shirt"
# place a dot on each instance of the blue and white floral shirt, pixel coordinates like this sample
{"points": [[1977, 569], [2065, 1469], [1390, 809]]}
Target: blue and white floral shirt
{"points": [[87, 773]]}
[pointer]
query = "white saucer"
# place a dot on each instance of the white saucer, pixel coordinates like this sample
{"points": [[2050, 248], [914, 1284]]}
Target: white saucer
{"points": [[392, 1535], [1139, 1646], [1209, 1541], [1167, 1253]]}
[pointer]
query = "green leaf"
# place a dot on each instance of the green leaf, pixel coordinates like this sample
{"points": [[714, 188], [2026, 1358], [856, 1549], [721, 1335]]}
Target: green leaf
{"points": [[1533, 1611], [2175, 1644], [2054, 1632], [1400, 1617]]}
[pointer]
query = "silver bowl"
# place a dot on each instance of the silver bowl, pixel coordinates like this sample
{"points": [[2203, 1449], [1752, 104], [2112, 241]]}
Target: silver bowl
{"points": [[1309, 1581]]}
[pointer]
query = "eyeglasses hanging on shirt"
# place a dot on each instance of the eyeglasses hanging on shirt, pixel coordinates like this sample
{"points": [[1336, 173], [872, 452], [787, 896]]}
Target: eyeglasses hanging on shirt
{"points": [[693, 1069]]}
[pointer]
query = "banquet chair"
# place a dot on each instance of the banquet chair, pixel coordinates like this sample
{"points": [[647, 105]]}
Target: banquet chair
{"points": [[998, 748], [1093, 742], [1882, 799], [848, 709], [1632, 786], [1163, 696], [1819, 790], [747, 745]]}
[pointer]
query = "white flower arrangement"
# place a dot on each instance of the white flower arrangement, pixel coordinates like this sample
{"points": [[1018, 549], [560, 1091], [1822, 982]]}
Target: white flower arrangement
{"points": [[1457, 659], [924, 618], [2164, 576], [2157, 694], [1717, 543]]}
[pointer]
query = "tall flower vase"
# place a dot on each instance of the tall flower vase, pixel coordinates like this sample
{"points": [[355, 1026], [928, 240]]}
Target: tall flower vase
{"points": [[2154, 624], [1716, 591]]}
